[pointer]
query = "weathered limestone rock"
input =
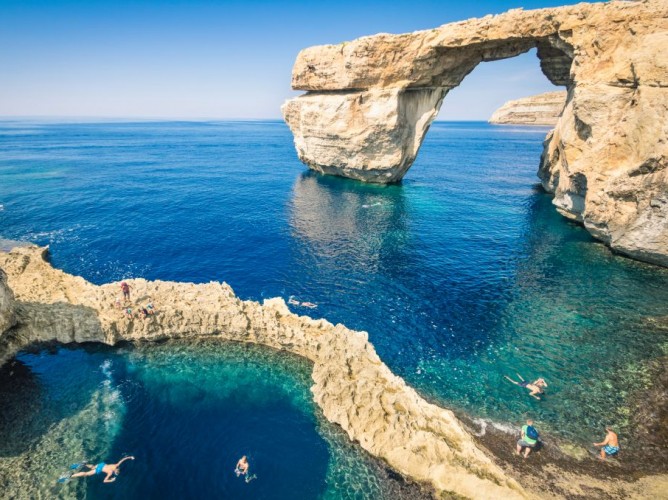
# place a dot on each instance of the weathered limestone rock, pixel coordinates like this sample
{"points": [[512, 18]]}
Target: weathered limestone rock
{"points": [[369, 103], [541, 109], [7, 316], [352, 385]]}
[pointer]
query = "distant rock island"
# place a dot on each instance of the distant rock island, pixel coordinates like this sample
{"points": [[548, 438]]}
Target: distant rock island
{"points": [[541, 109], [369, 103]]}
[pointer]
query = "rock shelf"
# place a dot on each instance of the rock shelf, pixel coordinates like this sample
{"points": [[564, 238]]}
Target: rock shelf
{"points": [[354, 388]]}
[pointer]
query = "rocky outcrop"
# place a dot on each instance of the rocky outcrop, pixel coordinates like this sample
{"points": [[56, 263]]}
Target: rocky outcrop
{"points": [[370, 102], [7, 316], [354, 388], [541, 109]]}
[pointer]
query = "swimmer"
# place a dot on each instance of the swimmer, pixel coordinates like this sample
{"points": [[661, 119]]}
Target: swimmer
{"points": [[535, 387], [610, 445], [310, 305], [242, 467], [102, 468], [292, 301]]}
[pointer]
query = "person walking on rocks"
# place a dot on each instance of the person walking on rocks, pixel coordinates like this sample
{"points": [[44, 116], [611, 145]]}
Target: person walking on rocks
{"points": [[610, 445], [125, 288], [528, 439]]}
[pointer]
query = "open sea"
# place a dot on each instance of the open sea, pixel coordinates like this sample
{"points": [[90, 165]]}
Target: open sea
{"points": [[461, 274]]}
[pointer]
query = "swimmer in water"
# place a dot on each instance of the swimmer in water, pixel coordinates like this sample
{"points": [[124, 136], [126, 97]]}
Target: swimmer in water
{"points": [[295, 302], [535, 387], [102, 468], [242, 467]]}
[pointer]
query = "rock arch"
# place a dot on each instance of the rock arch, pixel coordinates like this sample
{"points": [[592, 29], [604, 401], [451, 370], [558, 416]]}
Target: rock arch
{"points": [[369, 103]]}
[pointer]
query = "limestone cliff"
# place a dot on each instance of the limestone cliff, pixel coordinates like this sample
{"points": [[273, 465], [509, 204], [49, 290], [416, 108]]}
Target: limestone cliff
{"points": [[7, 317], [370, 102], [354, 388], [541, 109]]}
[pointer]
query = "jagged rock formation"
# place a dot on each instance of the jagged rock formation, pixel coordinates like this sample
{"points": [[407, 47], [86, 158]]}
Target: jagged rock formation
{"points": [[541, 109], [352, 385], [370, 102], [7, 317]]}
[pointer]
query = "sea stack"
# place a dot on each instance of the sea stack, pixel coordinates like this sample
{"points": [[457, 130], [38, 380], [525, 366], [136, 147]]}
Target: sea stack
{"points": [[369, 103], [541, 109]]}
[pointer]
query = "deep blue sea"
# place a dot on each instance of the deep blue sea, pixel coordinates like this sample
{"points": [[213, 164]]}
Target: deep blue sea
{"points": [[461, 274]]}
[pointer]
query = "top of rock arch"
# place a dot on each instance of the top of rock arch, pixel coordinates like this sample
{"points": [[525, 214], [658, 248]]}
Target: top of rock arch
{"points": [[434, 58]]}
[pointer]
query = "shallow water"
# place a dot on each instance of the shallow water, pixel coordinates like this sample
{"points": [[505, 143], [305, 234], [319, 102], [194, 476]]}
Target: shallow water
{"points": [[461, 274]]}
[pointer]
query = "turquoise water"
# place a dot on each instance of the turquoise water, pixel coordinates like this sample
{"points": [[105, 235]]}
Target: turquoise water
{"points": [[462, 273], [187, 412]]}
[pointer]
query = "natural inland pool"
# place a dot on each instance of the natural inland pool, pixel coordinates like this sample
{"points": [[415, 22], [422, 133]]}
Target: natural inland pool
{"points": [[187, 411], [461, 274]]}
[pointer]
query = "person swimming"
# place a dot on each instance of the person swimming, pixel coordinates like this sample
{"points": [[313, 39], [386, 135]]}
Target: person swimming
{"points": [[242, 466], [295, 302], [102, 468], [535, 387]]}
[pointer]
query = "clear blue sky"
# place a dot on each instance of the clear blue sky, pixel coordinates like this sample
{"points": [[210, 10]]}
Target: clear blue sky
{"points": [[213, 59]]}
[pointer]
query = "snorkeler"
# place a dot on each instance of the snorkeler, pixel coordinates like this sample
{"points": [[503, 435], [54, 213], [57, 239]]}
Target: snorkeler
{"points": [[536, 387], [242, 469], [102, 468], [242, 466]]}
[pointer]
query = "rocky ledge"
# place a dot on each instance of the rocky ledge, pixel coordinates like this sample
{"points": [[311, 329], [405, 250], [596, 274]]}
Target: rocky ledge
{"points": [[541, 109], [369, 103], [354, 388]]}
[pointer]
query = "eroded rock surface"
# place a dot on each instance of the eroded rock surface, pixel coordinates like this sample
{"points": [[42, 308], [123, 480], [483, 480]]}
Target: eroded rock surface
{"points": [[541, 109], [7, 317], [370, 102], [352, 385]]}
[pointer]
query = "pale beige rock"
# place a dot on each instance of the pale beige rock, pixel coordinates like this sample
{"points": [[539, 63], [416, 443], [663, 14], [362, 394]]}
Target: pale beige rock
{"points": [[369, 103], [352, 385], [541, 109]]}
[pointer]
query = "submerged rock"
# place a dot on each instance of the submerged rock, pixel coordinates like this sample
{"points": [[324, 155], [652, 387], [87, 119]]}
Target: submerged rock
{"points": [[541, 109], [369, 104]]}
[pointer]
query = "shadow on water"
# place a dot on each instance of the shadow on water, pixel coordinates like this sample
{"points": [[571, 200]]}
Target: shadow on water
{"points": [[23, 413]]}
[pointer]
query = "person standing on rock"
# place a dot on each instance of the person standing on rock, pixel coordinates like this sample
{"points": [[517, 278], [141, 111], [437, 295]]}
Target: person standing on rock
{"points": [[125, 288], [610, 445], [528, 439]]}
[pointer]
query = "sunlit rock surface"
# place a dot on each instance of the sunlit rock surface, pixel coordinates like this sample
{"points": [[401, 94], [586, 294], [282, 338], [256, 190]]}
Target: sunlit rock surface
{"points": [[354, 388], [369, 103], [541, 109]]}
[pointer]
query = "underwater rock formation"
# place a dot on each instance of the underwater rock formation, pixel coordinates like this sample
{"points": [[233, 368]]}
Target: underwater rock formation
{"points": [[541, 109], [354, 388], [369, 104]]}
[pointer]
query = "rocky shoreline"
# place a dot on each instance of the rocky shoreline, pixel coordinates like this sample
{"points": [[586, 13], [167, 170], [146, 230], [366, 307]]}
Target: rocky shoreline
{"points": [[352, 386]]}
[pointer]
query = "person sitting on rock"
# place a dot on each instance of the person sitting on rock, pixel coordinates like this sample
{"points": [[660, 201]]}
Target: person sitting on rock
{"points": [[610, 445]]}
